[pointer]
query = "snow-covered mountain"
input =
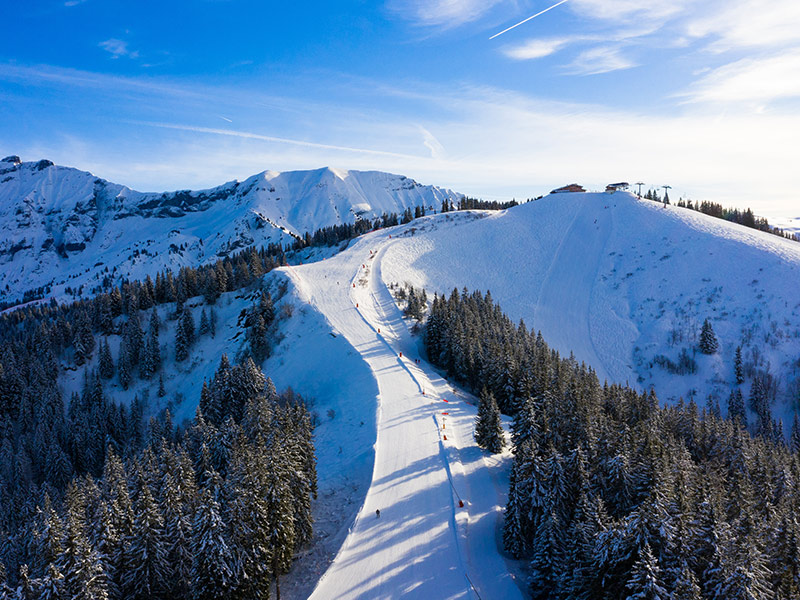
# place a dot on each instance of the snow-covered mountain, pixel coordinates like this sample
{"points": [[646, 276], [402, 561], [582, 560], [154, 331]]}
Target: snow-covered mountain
{"points": [[625, 284], [61, 227]]}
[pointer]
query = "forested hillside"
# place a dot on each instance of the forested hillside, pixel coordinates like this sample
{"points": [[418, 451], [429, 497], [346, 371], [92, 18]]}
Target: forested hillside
{"points": [[613, 496]]}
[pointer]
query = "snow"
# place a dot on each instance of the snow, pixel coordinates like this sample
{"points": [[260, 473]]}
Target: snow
{"points": [[608, 277], [613, 279], [618, 281], [62, 227], [423, 544]]}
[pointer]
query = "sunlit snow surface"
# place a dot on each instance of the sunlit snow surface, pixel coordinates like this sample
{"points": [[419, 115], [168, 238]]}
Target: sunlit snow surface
{"points": [[614, 279], [67, 228]]}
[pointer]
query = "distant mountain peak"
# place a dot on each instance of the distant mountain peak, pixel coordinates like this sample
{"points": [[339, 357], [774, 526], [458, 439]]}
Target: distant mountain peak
{"points": [[62, 227]]}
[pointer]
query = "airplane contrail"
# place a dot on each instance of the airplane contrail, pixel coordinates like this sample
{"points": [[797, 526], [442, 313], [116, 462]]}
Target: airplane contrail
{"points": [[529, 18]]}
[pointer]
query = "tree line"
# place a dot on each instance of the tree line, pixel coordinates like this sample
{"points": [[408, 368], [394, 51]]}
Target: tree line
{"points": [[611, 495], [734, 215], [215, 511]]}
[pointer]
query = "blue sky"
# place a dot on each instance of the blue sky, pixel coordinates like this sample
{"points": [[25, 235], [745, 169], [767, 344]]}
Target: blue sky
{"points": [[703, 96]]}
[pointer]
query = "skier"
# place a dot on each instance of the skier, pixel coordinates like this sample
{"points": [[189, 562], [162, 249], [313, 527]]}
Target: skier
{"points": [[377, 512]]}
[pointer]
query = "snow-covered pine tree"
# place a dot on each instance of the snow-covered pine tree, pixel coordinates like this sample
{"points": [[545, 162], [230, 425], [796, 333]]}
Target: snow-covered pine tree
{"points": [[124, 367], [181, 342], [646, 582], [51, 585], [708, 340], [738, 369], [547, 567], [214, 562], [188, 326], [106, 363], [488, 428], [736, 408], [205, 326], [84, 577], [794, 440], [177, 535], [146, 568]]}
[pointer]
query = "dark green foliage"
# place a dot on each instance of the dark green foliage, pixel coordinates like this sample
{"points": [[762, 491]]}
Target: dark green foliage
{"points": [[612, 496], [708, 341], [475, 204], [738, 369], [106, 363], [257, 324], [736, 408], [735, 215], [219, 514], [488, 429], [416, 303]]}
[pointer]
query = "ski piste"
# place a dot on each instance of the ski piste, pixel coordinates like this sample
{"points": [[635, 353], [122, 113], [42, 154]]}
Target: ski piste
{"points": [[439, 495]]}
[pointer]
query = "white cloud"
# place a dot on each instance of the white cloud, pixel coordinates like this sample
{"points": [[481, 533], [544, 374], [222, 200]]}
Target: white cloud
{"points": [[748, 23], [537, 48], [599, 60], [751, 80], [118, 48], [431, 143], [498, 143], [441, 13], [625, 11]]}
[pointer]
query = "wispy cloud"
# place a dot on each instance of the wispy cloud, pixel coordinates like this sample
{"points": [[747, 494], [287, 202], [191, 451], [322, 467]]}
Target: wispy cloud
{"points": [[759, 80], [441, 13], [71, 3], [538, 48], [598, 60], [118, 48], [628, 10], [748, 24], [431, 143], [269, 138], [486, 141]]}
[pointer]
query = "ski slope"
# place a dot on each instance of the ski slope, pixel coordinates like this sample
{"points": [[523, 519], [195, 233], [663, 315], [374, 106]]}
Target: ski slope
{"points": [[440, 498], [620, 282]]}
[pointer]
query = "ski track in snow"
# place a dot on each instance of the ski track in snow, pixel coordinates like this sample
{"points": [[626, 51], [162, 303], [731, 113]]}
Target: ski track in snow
{"points": [[424, 544], [564, 303]]}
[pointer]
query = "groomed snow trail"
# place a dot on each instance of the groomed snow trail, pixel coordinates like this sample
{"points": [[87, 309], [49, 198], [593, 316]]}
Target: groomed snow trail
{"points": [[424, 544], [567, 288]]}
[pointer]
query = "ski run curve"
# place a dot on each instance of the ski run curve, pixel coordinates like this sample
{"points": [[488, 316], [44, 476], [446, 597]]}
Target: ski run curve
{"points": [[440, 497]]}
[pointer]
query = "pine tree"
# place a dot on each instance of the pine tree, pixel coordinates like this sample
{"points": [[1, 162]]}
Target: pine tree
{"points": [[84, 577], [177, 535], [124, 367], [213, 566], [686, 587], [547, 568], [52, 585], [146, 568], [282, 539], [205, 326], [708, 341], [488, 428], [181, 342], [106, 363], [794, 440], [736, 408], [188, 326], [645, 582], [213, 323], [738, 369]]}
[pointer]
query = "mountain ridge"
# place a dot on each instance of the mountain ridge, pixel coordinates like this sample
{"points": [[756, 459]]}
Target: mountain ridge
{"points": [[57, 219]]}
